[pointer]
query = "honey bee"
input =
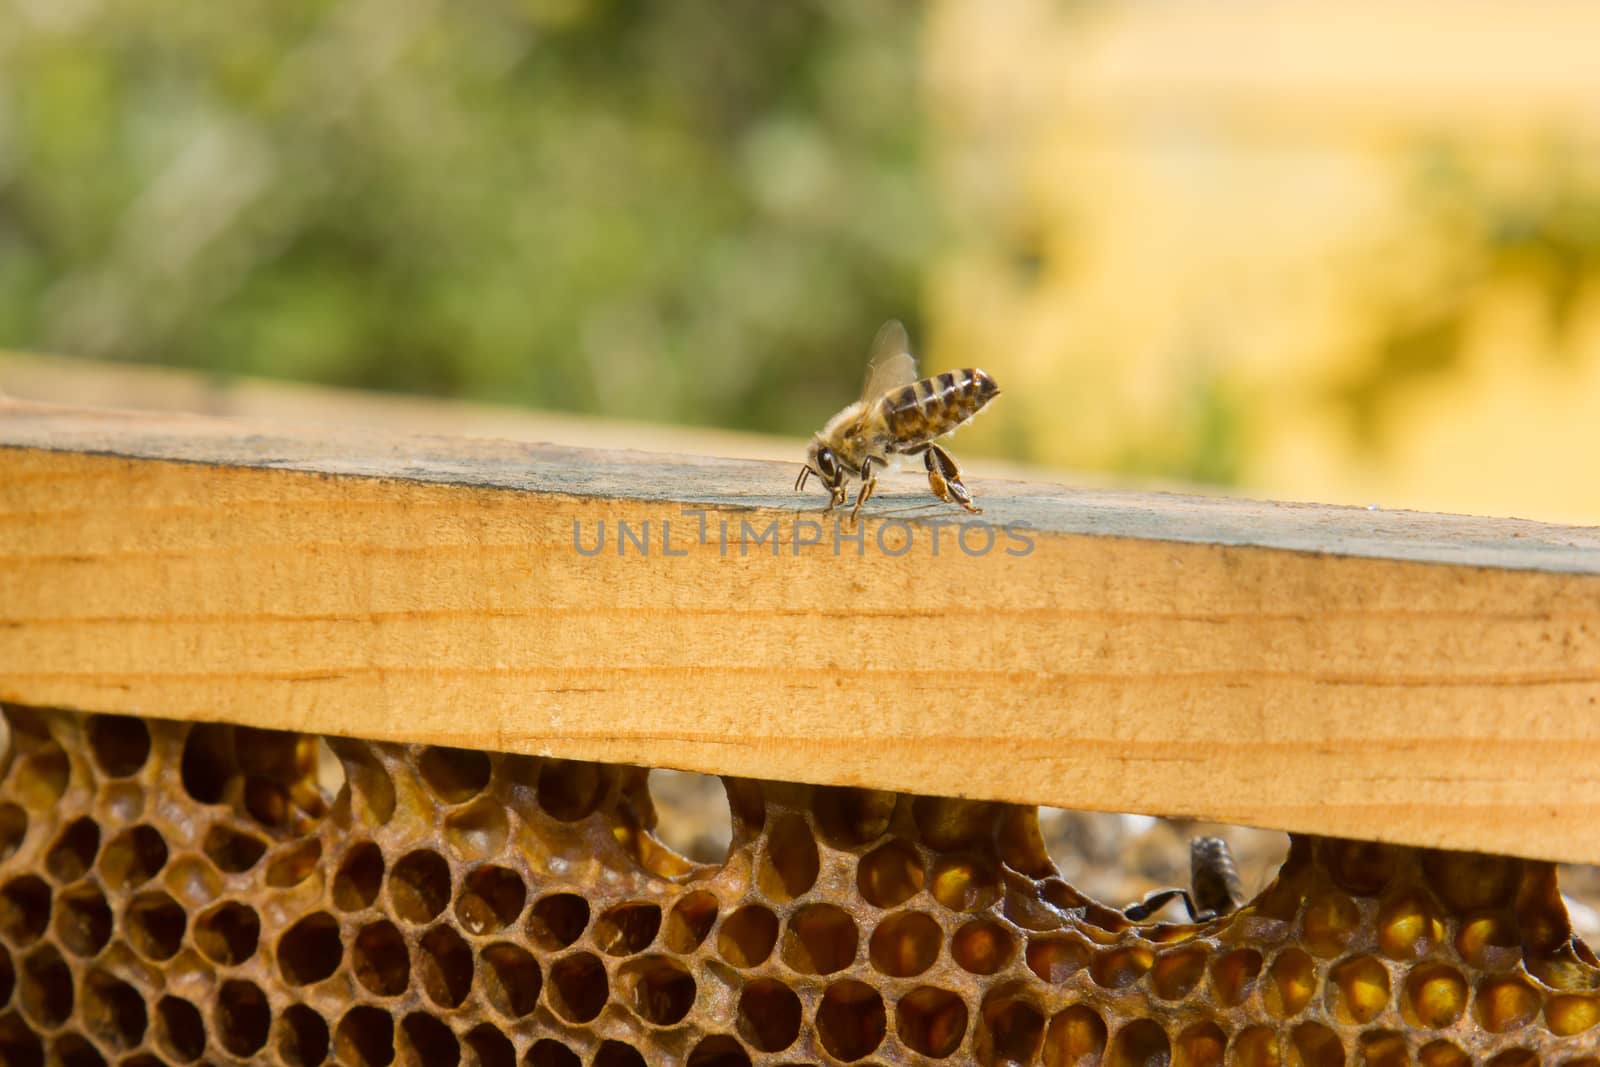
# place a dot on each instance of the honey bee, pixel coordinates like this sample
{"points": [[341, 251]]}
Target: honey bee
{"points": [[1217, 888], [897, 416]]}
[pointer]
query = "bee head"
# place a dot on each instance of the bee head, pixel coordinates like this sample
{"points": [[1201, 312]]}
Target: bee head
{"points": [[821, 461]]}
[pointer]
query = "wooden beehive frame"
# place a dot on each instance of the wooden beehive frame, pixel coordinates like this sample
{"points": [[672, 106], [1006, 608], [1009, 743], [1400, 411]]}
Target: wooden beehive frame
{"points": [[1420, 679]]}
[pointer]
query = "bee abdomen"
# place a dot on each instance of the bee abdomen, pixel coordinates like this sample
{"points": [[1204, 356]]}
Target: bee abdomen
{"points": [[935, 406]]}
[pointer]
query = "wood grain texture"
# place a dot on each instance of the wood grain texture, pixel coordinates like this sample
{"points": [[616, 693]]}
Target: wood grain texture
{"points": [[1432, 680]]}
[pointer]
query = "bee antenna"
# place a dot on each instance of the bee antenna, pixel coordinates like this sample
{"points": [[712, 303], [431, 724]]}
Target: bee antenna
{"points": [[800, 482]]}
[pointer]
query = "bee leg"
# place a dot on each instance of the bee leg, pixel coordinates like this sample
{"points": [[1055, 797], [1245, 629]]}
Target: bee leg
{"points": [[936, 481], [1154, 902], [867, 487], [944, 477], [869, 482]]}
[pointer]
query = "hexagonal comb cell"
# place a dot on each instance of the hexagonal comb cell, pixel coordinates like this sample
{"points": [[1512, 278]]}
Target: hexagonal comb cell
{"points": [[174, 894]]}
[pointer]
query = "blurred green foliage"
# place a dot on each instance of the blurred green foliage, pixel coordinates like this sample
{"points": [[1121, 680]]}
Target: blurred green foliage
{"points": [[676, 211]]}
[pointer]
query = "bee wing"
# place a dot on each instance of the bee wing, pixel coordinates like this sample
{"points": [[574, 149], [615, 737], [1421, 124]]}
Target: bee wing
{"points": [[891, 365]]}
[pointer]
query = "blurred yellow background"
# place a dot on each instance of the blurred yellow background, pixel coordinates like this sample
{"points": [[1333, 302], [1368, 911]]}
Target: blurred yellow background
{"points": [[1319, 251], [1327, 251]]}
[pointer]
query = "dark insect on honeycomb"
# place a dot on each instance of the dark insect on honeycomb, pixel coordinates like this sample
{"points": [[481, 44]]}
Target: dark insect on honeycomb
{"points": [[186, 895]]}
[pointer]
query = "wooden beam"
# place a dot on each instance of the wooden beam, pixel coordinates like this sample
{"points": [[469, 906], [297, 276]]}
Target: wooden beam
{"points": [[79, 382], [1425, 679], [147, 387]]}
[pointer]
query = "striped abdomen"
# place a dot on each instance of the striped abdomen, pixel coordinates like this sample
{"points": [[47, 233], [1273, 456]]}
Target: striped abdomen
{"points": [[935, 406]]}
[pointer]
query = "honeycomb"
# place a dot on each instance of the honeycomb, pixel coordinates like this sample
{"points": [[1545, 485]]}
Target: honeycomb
{"points": [[188, 894]]}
